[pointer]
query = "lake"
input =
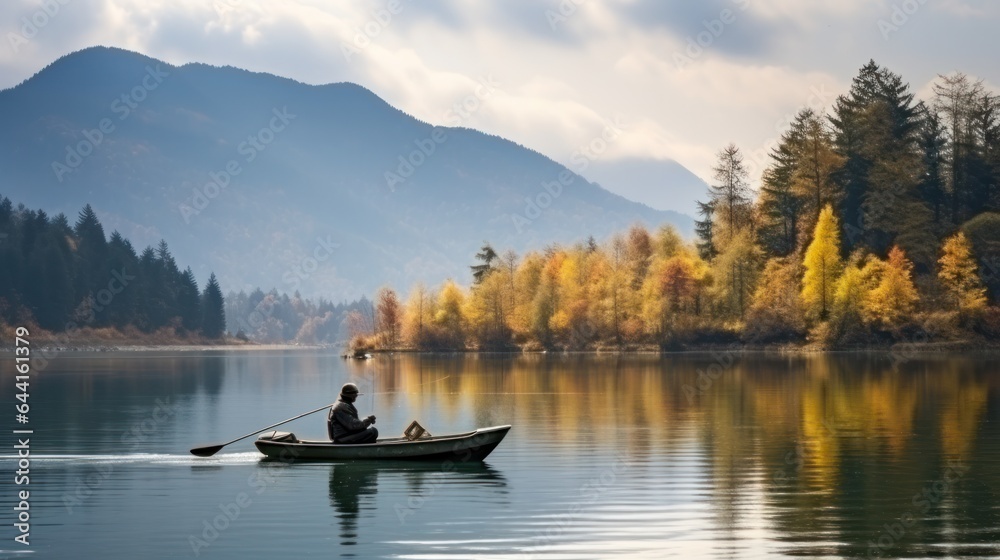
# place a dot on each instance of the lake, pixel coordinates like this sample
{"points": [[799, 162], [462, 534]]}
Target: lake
{"points": [[722, 455]]}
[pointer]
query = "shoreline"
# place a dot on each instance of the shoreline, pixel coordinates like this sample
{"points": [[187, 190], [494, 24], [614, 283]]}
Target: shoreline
{"points": [[923, 348]]}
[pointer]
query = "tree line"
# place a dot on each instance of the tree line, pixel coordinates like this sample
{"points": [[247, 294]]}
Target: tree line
{"points": [[61, 277], [877, 222], [273, 317]]}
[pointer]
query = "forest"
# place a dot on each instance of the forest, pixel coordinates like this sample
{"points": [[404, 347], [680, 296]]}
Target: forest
{"points": [[874, 224], [63, 278]]}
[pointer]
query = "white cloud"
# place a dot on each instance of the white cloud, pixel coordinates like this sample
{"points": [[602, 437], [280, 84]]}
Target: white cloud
{"points": [[558, 87]]}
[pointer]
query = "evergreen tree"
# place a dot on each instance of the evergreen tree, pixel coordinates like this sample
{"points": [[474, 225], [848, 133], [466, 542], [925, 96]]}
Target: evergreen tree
{"points": [[486, 256], [152, 312], [122, 265], [780, 207], [932, 147], [705, 230], [875, 133], [91, 256], [730, 193], [213, 318], [189, 302]]}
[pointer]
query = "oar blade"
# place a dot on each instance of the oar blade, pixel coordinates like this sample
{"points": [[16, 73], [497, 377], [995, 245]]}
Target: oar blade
{"points": [[207, 451]]}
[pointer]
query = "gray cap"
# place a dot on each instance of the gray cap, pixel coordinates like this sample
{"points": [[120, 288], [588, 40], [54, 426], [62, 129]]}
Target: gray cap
{"points": [[350, 389]]}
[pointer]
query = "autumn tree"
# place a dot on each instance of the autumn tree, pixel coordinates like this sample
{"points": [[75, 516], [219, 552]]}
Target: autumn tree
{"points": [[849, 297], [389, 317], [895, 297], [449, 314], [735, 270], [417, 315], [616, 294], [822, 265], [490, 309], [776, 312], [959, 274]]}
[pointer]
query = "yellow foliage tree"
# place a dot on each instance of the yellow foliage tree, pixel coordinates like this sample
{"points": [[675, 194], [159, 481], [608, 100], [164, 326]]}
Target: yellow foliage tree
{"points": [[776, 311], [822, 265], [527, 277], [417, 315], [959, 274], [490, 309], [449, 314], [895, 297]]}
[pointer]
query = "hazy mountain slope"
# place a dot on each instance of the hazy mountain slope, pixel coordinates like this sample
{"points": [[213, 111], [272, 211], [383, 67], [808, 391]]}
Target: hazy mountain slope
{"points": [[314, 175]]}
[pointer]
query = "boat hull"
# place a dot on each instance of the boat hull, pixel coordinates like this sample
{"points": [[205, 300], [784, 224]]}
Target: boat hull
{"points": [[458, 448]]}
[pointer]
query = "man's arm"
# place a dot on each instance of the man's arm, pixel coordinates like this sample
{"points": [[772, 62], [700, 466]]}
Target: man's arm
{"points": [[349, 422]]}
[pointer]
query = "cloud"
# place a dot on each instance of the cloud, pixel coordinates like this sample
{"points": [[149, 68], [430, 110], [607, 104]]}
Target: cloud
{"points": [[565, 67]]}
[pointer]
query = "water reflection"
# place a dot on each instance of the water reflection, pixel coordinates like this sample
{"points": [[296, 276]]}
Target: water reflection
{"points": [[729, 455], [350, 485], [836, 449], [353, 488]]}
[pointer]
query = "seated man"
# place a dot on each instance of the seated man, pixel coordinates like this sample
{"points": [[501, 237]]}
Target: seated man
{"points": [[342, 422]]}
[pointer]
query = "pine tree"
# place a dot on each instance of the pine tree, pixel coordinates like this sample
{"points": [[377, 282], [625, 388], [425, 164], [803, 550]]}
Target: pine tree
{"points": [[213, 318], [189, 302], [123, 311], [822, 265], [959, 274], [486, 256], [91, 256], [875, 132], [730, 194], [705, 230]]}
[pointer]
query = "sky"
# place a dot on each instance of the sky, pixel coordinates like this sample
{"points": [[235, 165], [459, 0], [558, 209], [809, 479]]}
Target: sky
{"points": [[572, 79]]}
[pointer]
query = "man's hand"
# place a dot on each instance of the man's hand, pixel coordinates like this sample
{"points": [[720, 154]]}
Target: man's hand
{"points": [[370, 420]]}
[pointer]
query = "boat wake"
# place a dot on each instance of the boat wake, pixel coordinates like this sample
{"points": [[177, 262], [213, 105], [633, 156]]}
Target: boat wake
{"points": [[143, 458]]}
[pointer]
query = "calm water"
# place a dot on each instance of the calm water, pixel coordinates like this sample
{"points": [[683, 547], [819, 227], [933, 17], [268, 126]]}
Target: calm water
{"points": [[638, 457]]}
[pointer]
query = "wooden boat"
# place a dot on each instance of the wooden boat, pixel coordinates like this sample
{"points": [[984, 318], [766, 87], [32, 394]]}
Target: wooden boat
{"points": [[458, 448]]}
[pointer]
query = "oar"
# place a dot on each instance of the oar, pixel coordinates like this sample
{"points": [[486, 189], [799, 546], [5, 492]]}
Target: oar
{"points": [[210, 450]]}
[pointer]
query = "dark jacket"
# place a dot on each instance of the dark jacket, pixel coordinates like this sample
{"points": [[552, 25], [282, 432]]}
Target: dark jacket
{"points": [[343, 420]]}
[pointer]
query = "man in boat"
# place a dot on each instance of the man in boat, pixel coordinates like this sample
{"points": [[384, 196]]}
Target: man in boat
{"points": [[343, 423]]}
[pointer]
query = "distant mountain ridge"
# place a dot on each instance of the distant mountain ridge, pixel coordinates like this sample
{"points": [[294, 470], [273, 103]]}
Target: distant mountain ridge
{"points": [[272, 182]]}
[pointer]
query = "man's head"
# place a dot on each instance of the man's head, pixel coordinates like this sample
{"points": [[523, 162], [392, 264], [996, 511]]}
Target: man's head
{"points": [[349, 392]]}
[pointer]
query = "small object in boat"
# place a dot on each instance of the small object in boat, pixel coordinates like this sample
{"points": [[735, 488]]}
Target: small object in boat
{"points": [[415, 431]]}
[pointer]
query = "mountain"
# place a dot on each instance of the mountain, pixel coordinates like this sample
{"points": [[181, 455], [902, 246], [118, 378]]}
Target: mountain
{"points": [[659, 184], [325, 189]]}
